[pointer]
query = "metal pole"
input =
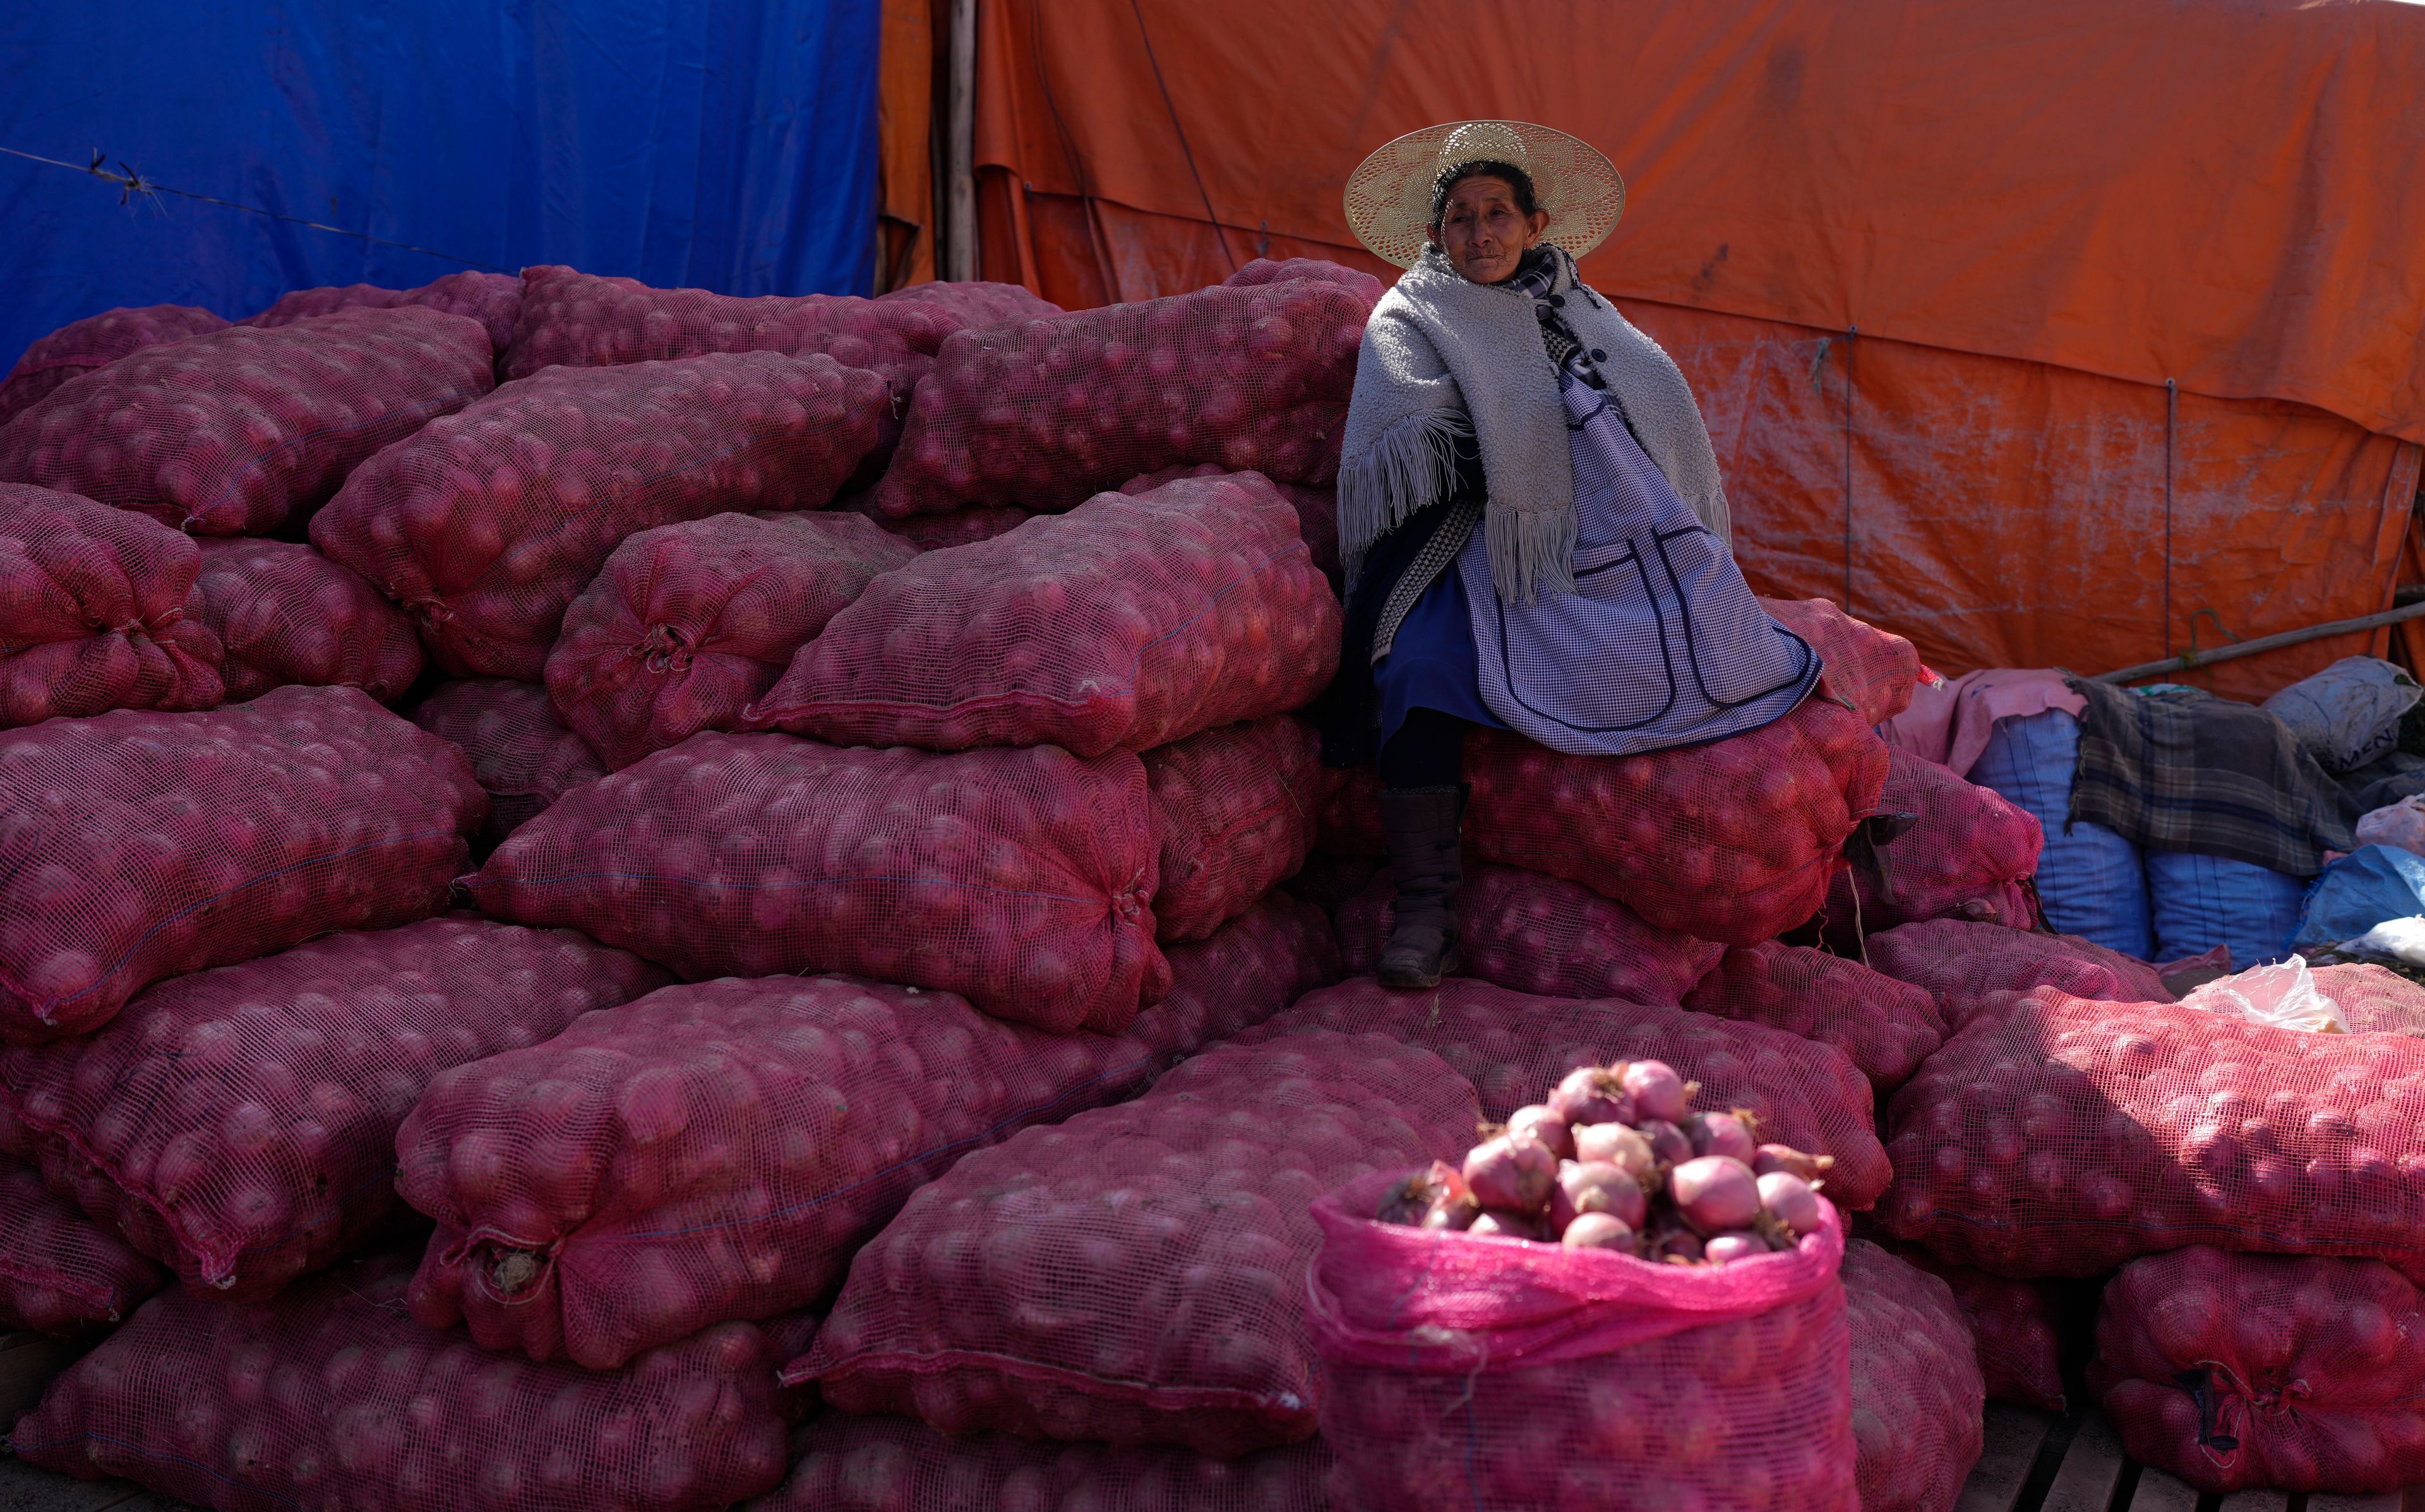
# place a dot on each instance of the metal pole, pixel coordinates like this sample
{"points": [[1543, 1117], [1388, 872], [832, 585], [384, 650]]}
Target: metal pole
{"points": [[960, 145], [2191, 661]]}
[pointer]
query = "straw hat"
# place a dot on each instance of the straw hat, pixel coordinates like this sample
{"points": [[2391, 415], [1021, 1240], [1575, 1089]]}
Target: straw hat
{"points": [[1389, 195]]}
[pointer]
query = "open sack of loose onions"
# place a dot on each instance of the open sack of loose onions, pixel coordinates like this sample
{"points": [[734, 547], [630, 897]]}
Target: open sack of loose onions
{"points": [[1616, 1159]]}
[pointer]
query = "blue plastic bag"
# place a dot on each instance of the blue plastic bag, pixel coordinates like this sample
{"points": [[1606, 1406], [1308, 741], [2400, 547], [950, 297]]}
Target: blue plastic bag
{"points": [[2090, 880], [2202, 901], [2371, 885]]}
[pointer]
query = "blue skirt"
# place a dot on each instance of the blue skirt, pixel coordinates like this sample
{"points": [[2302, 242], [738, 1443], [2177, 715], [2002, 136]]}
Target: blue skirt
{"points": [[1431, 661]]}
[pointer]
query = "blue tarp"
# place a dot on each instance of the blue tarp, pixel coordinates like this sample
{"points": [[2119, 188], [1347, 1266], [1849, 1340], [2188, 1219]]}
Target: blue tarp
{"points": [[2371, 885], [719, 144]]}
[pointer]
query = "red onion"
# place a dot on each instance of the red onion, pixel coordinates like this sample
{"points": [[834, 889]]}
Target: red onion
{"points": [[1657, 1091], [1669, 1144], [1452, 1215], [1680, 1245], [1734, 1245], [1411, 1199], [1544, 1124], [1596, 1230], [1496, 1223], [1511, 1173], [1714, 1193], [1596, 1187], [1593, 1094], [1618, 1145], [1721, 1133], [1790, 1200], [1791, 1161]]}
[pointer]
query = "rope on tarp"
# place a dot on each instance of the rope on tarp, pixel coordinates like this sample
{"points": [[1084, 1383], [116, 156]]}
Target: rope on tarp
{"points": [[132, 186]]}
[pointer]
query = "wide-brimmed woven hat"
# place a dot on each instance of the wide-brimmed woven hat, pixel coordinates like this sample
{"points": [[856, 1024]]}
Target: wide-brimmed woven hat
{"points": [[1389, 195]]}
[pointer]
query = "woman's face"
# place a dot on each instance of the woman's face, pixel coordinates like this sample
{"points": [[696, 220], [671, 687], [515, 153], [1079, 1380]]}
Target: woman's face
{"points": [[1483, 231]]}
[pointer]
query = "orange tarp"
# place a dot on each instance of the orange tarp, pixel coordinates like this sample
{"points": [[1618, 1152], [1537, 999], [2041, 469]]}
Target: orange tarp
{"points": [[2033, 216]]}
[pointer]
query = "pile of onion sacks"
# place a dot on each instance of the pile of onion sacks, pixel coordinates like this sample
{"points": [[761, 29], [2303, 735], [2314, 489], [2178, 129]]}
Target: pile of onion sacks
{"points": [[1616, 1159]]}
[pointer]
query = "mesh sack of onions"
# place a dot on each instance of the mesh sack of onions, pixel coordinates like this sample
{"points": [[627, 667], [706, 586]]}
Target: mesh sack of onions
{"points": [[284, 614], [974, 302], [1234, 808], [139, 846], [1136, 1275], [95, 341], [239, 1124], [2374, 1000], [1043, 413], [59, 1272], [486, 525], [1885, 1027], [1511, 1044], [934, 533], [2054, 1135], [1022, 878], [845, 1463], [491, 298], [1317, 511], [1465, 1371], [1872, 670], [1966, 858], [97, 611], [328, 1395], [1533, 933], [521, 757], [688, 623], [1917, 1395], [2018, 1327], [231, 432], [1965, 963], [719, 1150], [581, 320], [1733, 841], [1128, 623], [2234, 1371]]}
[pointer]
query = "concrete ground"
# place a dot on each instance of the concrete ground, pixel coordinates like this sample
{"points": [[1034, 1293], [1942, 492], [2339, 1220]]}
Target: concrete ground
{"points": [[24, 1489]]}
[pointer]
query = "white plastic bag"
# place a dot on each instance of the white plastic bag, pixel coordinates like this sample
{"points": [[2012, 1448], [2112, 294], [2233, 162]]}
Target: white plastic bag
{"points": [[2401, 939], [2401, 825], [2283, 995]]}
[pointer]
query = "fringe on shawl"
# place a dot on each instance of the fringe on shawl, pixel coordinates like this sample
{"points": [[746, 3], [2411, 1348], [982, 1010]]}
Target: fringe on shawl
{"points": [[1409, 466], [1532, 553]]}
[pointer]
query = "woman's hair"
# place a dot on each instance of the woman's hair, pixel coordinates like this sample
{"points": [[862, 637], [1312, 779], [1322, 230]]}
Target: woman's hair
{"points": [[1487, 167]]}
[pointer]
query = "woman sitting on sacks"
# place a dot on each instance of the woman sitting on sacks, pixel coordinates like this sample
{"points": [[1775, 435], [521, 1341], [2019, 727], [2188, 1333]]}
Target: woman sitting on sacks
{"points": [[1534, 531]]}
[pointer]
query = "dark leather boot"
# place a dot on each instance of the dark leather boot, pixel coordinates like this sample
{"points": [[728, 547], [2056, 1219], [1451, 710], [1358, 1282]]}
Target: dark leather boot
{"points": [[1428, 863]]}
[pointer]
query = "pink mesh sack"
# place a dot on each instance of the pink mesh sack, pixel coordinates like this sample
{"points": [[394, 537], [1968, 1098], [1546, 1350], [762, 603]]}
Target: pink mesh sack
{"points": [[687, 624], [1137, 1274], [328, 1395], [491, 298], [2374, 1000], [239, 1125], [95, 341], [961, 527], [581, 320], [2234, 1371], [2054, 1136], [1317, 511], [1964, 963], [285, 615], [485, 524], [94, 607], [1885, 1027], [1965, 858], [1514, 1048], [231, 432], [137, 846], [1046, 412], [1468, 1374], [1264, 270], [1125, 623], [1534, 933], [975, 303], [845, 1463], [60, 1274], [1733, 841], [1234, 808], [521, 757], [2017, 1327], [1872, 670], [1022, 878], [1918, 1396], [719, 1150]]}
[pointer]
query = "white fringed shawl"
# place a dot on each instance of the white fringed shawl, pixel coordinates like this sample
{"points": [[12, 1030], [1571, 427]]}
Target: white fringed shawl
{"points": [[1442, 355]]}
